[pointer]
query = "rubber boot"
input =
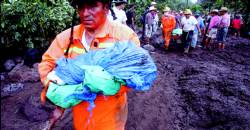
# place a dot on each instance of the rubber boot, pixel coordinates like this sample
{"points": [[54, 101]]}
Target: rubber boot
{"points": [[222, 46], [186, 50], [147, 41], [219, 45], [166, 46]]}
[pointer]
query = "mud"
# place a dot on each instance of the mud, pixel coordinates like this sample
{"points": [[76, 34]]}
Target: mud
{"points": [[204, 90]]}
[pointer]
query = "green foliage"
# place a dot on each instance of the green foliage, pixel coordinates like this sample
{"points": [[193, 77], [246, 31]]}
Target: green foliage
{"points": [[33, 23], [196, 8]]}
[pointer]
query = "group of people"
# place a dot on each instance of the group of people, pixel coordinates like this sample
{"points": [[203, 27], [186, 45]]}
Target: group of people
{"points": [[181, 26], [190, 26], [183, 23]]}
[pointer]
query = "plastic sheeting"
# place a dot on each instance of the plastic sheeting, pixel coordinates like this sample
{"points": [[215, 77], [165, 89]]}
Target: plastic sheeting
{"points": [[177, 31], [123, 61]]}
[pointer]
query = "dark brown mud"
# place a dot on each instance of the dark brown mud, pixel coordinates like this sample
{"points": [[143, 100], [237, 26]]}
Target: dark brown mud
{"points": [[204, 90]]}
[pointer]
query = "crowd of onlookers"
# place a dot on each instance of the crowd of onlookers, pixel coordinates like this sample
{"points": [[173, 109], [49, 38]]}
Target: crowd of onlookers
{"points": [[185, 26]]}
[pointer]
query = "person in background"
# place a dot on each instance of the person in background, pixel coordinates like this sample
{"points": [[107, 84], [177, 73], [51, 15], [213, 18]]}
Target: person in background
{"points": [[207, 20], [188, 25], [93, 33], [168, 24], [178, 18], [236, 24], [223, 27], [155, 17], [118, 12], [143, 19], [196, 32], [131, 16], [149, 21], [213, 26]]}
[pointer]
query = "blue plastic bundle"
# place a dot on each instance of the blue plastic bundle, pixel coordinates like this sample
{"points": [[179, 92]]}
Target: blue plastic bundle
{"points": [[124, 61]]}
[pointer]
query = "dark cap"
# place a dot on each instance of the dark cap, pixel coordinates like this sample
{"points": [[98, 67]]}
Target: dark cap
{"points": [[76, 3]]}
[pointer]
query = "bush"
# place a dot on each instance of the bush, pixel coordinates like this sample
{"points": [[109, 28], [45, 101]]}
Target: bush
{"points": [[33, 23]]}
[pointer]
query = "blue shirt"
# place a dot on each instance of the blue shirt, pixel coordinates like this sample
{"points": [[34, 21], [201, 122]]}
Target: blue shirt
{"points": [[200, 24]]}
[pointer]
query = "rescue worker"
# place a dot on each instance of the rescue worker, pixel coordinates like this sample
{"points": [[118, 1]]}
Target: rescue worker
{"points": [[119, 11], [168, 24], [223, 27], [94, 32], [188, 25], [149, 21]]}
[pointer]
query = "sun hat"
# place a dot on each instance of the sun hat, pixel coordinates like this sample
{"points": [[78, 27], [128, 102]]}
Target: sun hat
{"points": [[166, 9], [188, 11], [152, 8]]}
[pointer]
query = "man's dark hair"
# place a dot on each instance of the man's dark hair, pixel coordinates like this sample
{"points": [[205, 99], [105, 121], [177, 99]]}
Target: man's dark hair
{"points": [[76, 3], [119, 3]]}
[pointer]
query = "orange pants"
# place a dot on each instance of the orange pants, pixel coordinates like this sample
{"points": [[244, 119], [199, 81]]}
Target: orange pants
{"points": [[109, 113], [167, 36]]}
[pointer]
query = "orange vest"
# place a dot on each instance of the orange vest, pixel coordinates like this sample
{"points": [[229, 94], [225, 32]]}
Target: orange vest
{"points": [[110, 112], [168, 23]]}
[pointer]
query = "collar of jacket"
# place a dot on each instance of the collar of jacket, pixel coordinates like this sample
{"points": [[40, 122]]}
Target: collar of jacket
{"points": [[101, 32]]}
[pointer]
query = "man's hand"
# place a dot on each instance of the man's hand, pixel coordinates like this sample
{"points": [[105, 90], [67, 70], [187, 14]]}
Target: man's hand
{"points": [[55, 79], [52, 77], [200, 32], [43, 95]]}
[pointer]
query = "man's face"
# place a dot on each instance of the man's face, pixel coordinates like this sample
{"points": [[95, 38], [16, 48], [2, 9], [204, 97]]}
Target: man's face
{"points": [[153, 12], [187, 15], [93, 15], [166, 13], [222, 12], [123, 6]]}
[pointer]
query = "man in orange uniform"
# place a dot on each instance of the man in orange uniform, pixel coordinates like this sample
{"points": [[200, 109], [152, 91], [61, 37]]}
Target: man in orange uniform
{"points": [[168, 23], [94, 32]]}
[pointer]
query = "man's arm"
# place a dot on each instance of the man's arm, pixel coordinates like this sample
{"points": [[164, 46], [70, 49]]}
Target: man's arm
{"points": [[47, 64], [174, 23]]}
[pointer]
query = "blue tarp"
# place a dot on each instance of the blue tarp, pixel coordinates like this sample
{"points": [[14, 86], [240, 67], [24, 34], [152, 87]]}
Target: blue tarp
{"points": [[124, 61]]}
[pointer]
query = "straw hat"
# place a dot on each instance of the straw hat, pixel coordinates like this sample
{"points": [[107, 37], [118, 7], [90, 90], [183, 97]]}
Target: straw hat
{"points": [[166, 9], [188, 11], [153, 3], [215, 11], [152, 8], [223, 9]]}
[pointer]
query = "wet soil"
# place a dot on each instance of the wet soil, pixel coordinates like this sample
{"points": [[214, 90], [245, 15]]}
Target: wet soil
{"points": [[204, 90]]}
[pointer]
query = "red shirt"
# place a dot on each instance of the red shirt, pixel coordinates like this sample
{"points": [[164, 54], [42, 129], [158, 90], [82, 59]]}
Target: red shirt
{"points": [[236, 23]]}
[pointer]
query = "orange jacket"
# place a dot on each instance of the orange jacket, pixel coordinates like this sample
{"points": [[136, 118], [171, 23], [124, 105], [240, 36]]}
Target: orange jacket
{"points": [[108, 109], [168, 23]]}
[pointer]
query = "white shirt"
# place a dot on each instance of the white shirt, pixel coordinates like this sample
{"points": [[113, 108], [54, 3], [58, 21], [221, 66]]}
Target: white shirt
{"points": [[120, 15], [189, 24], [156, 19], [84, 42]]}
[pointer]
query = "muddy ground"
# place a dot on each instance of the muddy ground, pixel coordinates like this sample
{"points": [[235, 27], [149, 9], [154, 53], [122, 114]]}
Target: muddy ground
{"points": [[204, 90]]}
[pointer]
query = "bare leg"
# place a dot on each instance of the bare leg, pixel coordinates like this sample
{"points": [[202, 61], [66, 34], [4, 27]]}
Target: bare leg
{"points": [[55, 116]]}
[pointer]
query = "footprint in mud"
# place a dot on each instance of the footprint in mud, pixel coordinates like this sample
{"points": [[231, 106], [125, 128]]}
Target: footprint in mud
{"points": [[13, 87]]}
